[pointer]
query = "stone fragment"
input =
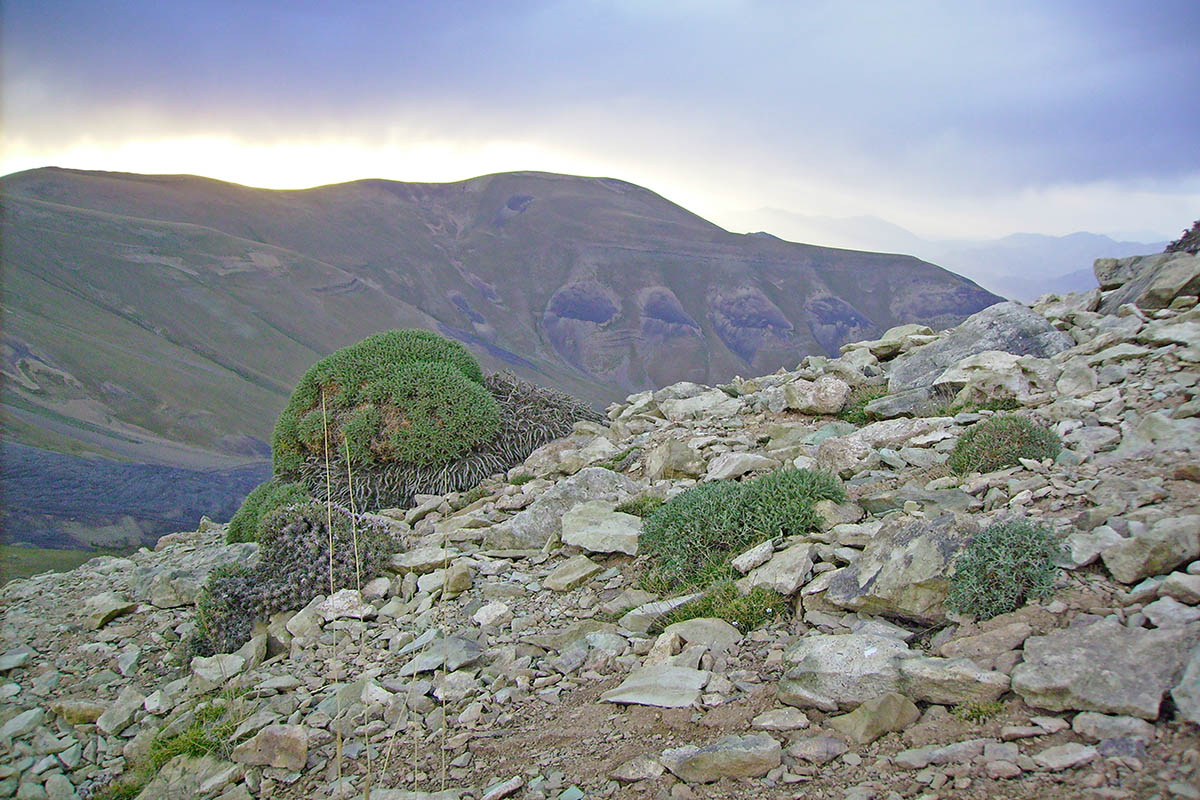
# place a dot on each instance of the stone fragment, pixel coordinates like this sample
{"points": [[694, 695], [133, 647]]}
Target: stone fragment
{"points": [[279, 746], [673, 459], [745, 756], [1187, 693], [904, 571], [638, 768], [1152, 281], [573, 572], [186, 777], [884, 714], [597, 528], [1095, 727], [950, 681], [494, 614], [983, 647], [1183, 586], [825, 395], [422, 559], [1167, 611], [1061, 670], [542, 520], [831, 671], [784, 573], [817, 749], [755, 556], [1065, 756], [21, 724], [642, 618], [780, 719], [118, 715], [105, 607], [659, 685], [734, 465], [1165, 545], [713, 403]]}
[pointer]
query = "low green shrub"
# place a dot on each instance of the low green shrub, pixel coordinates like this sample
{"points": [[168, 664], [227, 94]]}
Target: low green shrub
{"points": [[521, 479], [1002, 568], [265, 498], [691, 538], [722, 599], [998, 442], [293, 568]]}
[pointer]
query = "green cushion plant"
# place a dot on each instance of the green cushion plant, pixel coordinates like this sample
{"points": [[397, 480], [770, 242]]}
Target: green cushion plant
{"points": [[691, 538], [263, 499], [999, 441], [1002, 568]]}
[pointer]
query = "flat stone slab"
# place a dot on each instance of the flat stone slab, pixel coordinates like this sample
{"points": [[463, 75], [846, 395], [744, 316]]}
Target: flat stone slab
{"points": [[597, 528], [661, 686], [1104, 667], [747, 756], [573, 572]]}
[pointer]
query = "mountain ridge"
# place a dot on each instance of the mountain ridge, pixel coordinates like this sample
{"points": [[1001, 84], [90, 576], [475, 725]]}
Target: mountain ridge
{"points": [[185, 308]]}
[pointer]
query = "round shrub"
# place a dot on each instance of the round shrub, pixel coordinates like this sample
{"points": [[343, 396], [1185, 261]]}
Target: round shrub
{"points": [[530, 416], [1005, 566], [263, 499], [691, 538], [998, 442], [399, 396], [293, 567]]}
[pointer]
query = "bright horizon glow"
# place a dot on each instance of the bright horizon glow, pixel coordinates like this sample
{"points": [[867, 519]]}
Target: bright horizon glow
{"points": [[965, 120]]}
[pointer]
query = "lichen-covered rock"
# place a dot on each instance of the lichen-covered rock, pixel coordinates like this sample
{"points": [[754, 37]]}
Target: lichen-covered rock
{"points": [[1104, 667], [532, 527]]}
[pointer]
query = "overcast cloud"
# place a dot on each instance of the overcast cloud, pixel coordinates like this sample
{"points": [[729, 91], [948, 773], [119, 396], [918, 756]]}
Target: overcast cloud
{"points": [[952, 119]]}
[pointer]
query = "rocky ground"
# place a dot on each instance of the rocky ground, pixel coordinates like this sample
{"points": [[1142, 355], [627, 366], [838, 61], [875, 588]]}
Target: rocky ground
{"points": [[511, 653]]}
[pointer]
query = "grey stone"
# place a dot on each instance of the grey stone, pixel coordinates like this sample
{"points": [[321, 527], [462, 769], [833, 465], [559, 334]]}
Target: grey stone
{"points": [[1062, 671], [422, 560], [950, 681], [715, 634], [191, 777], [1095, 727], [673, 459], [1165, 545], [784, 573], [22, 724], [756, 556], [1010, 327], [825, 395], [597, 528], [573, 572], [279, 746], [904, 571], [119, 715], [1167, 611], [734, 465], [1183, 586], [877, 716], [216, 670], [1152, 281], [817, 749], [780, 719], [638, 768], [1187, 693], [542, 520], [106, 606], [746, 756], [830, 671], [659, 685]]}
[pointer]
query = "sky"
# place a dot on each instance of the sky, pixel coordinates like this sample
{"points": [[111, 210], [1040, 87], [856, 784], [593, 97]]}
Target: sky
{"points": [[963, 119]]}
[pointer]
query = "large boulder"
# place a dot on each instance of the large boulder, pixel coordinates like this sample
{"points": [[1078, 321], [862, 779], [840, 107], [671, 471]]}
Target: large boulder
{"points": [[904, 571], [825, 395], [1104, 667], [673, 459], [1158, 550], [1010, 327], [1150, 282], [597, 528], [542, 520], [840, 671]]}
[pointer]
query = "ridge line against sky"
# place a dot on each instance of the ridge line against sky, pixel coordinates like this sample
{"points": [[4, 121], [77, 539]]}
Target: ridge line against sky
{"points": [[965, 120]]}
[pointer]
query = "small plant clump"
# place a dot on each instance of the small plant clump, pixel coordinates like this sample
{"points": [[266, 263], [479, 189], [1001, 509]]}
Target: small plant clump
{"points": [[1004, 567], [854, 410], [999, 442], [977, 711], [691, 538], [293, 568], [262, 500], [743, 611]]}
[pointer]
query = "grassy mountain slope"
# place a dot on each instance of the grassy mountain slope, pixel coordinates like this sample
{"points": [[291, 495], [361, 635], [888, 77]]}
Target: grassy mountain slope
{"points": [[164, 319]]}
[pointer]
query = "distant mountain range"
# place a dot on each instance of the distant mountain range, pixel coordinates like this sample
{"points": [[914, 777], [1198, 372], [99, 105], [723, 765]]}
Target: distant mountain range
{"points": [[164, 320], [1021, 266]]}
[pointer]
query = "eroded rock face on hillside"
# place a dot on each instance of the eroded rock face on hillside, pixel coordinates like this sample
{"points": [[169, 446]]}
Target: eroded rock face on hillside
{"points": [[513, 632]]}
